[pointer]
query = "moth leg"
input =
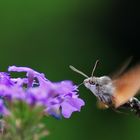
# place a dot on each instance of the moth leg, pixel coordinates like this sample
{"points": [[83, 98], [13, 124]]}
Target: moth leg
{"points": [[106, 99]]}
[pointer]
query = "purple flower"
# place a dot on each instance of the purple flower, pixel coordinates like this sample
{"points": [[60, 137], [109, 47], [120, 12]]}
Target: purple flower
{"points": [[57, 98], [31, 75], [5, 79], [64, 99], [3, 110]]}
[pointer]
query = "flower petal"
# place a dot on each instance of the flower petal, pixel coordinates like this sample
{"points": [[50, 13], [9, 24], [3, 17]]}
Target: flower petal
{"points": [[31, 74], [5, 79], [3, 110], [54, 111], [67, 109]]}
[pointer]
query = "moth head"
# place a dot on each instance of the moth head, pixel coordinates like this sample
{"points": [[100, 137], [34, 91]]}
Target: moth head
{"points": [[89, 81]]}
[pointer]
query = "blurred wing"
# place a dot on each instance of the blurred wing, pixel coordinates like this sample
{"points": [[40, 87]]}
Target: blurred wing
{"points": [[121, 69], [126, 86]]}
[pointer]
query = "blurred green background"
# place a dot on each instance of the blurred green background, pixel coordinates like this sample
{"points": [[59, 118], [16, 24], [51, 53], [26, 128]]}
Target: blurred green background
{"points": [[48, 35]]}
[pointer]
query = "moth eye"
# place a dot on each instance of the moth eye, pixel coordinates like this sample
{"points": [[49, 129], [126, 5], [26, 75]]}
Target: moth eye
{"points": [[91, 82], [97, 84]]}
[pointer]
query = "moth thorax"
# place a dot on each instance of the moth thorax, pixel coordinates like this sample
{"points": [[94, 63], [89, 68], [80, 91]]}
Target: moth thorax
{"points": [[99, 85]]}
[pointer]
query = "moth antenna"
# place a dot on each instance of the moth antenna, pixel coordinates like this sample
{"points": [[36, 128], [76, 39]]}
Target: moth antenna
{"points": [[78, 71], [94, 68]]}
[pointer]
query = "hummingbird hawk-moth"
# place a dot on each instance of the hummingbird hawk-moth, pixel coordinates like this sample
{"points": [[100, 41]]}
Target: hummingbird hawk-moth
{"points": [[117, 92]]}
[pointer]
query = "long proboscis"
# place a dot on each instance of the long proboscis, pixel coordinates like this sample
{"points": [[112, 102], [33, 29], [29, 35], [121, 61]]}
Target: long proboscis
{"points": [[80, 84], [78, 71]]}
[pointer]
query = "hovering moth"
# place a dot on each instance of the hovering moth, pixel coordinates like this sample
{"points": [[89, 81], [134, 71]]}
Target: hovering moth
{"points": [[117, 92]]}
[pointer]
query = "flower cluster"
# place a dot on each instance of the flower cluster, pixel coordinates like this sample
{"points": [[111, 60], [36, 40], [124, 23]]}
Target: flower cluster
{"points": [[57, 98]]}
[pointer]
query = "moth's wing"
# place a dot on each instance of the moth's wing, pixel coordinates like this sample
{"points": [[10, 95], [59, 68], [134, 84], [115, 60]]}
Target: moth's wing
{"points": [[126, 86], [101, 105], [121, 68]]}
